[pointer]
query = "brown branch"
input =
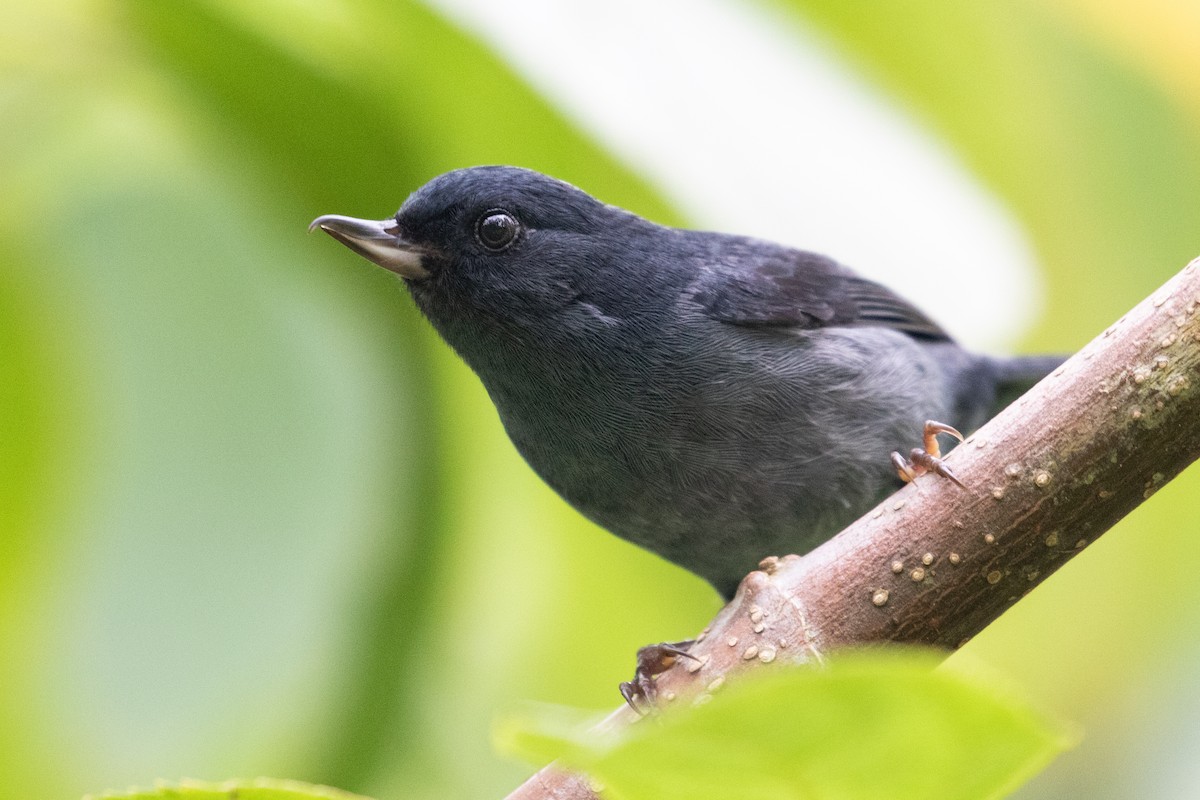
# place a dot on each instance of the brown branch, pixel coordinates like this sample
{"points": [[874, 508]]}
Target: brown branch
{"points": [[934, 564]]}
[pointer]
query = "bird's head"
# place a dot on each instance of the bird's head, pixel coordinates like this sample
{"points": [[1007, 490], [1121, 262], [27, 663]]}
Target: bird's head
{"points": [[503, 243]]}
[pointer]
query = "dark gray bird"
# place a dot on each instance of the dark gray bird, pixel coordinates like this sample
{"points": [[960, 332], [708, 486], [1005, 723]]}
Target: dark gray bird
{"points": [[712, 398]]}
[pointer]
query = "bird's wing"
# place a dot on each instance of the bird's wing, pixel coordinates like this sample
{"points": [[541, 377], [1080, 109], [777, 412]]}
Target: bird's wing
{"points": [[796, 289]]}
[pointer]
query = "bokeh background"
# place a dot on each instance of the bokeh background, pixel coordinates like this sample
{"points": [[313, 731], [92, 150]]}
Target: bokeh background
{"points": [[256, 520]]}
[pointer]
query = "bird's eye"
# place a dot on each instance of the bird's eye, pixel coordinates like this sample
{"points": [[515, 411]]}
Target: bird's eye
{"points": [[497, 229]]}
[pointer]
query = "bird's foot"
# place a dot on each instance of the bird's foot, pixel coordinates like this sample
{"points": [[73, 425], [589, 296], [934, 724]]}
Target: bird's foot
{"points": [[927, 459], [652, 660]]}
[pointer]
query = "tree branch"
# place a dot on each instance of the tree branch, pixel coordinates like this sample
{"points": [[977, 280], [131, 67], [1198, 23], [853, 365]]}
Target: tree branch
{"points": [[934, 564]]}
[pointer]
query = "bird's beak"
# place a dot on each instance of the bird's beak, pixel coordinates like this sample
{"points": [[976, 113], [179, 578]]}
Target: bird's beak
{"points": [[377, 241]]}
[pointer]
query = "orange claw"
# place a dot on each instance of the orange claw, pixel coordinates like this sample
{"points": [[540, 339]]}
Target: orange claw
{"points": [[932, 429], [904, 468], [921, 461]]}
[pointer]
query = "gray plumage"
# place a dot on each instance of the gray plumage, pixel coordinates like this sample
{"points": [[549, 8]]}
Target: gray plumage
{"points": [[712, 398]]}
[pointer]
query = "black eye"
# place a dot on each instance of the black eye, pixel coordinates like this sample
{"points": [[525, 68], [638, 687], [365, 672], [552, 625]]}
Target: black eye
{"points": [[497, 229]]}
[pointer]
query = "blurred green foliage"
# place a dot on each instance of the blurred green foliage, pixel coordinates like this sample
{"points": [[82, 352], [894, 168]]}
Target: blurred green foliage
{"points": [[259, 789], [255, 519], [868, 725]]}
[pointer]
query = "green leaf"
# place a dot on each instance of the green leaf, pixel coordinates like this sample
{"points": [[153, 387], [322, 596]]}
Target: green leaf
{"points": [[874, 725], [259, 789]]}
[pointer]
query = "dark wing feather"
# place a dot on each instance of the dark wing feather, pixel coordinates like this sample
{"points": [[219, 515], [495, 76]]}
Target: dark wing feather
{"points": [[797, 289], [879, 305]]}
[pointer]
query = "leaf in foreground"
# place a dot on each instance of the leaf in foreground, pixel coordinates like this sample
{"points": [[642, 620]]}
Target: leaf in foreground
{"points": [[877, 725], [258, 789]]}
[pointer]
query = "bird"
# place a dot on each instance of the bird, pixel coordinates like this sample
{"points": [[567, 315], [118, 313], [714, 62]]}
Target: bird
{"points": [[710, 397]]}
